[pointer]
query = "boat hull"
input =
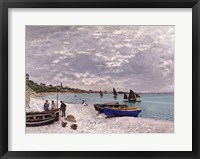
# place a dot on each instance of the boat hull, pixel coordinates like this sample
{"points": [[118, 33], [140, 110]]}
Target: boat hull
{"points": [[39, 119], [100, 107], [40, 123], [110, 112]]}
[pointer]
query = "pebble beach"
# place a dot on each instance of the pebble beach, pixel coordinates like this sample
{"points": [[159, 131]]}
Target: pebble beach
{"points": [[89, 121]]}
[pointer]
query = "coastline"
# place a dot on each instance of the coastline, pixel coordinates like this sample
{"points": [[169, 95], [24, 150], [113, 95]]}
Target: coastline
{"points": [[41, 94], [89, 121]]}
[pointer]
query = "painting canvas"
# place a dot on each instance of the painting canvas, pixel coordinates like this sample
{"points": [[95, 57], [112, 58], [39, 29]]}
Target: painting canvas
{"points": [[99, 79]]}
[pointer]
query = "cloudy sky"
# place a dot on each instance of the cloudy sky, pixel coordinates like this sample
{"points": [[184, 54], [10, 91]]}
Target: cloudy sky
{"points": [[102, 57]]}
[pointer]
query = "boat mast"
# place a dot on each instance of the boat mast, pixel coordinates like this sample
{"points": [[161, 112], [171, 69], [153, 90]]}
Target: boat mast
{"points": [[57, 96], [114, 92]]}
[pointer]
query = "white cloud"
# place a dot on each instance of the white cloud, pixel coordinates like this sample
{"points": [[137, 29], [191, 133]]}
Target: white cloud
{"points": [[118, 32], [55, 61], [129, 45], [100, 56], [97, 34], [62, 57], [83, 52], [118, 46], [143, 47]]}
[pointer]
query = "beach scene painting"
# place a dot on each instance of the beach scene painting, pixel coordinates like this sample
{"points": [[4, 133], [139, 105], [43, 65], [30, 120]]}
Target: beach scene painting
{"points": [[99, 79]]}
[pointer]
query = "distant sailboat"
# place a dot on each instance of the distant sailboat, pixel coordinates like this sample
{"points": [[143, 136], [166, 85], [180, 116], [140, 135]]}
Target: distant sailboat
{"points": [[101, 93], [125, 97], [132, 96], [114, 93], [137, 95]]}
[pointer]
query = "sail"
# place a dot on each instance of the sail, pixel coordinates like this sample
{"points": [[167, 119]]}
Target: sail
{"points": [[114, 92], [125, 96], [132, 95], [101, 93], [137, 95]]}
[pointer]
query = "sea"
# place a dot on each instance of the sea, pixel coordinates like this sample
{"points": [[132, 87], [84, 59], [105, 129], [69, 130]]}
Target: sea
{"points": [[158, 106]]}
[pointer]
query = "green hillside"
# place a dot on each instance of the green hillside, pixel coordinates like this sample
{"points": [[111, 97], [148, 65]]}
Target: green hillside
{"points": [[29, 92], [42, 87]]}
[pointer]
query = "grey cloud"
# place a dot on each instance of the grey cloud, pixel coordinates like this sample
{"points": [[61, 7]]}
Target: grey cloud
{"points": [[141, 57]]}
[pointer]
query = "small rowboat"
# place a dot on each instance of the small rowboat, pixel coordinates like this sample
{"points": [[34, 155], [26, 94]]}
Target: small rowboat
{"points": [[130, 111], [41, 118]]}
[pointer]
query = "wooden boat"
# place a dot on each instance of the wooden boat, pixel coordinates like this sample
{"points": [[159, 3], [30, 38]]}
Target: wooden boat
{"points": [[114, 93], [41, 118], [100, 107], [130, 111]]}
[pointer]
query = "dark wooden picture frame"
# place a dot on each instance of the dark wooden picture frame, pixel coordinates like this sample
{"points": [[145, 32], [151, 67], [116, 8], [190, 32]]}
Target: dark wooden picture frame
{"points": [[4, 93]]}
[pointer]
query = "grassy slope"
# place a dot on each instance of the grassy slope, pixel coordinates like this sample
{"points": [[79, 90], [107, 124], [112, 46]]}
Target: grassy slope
{"points": [[29, 92]]}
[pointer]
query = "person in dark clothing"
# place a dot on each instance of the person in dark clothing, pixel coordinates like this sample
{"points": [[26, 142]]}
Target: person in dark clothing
{"points": [[83, 101], [63, 108], [46, 106]]}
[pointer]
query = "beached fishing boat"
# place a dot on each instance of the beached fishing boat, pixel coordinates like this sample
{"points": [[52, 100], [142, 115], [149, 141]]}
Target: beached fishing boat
{"points": [[41, 118], [100, 107], [130, 111], [114, 93]]}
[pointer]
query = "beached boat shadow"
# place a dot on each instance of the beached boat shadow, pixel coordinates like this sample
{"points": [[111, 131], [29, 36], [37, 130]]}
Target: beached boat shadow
{"points": [[107, 117]]}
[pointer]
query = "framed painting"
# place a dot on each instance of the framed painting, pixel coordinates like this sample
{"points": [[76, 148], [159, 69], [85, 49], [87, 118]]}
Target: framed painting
{"points": [[99, 79]]}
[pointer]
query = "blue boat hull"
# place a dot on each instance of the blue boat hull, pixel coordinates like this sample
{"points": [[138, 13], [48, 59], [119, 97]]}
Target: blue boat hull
{"points": [[111, 112]]}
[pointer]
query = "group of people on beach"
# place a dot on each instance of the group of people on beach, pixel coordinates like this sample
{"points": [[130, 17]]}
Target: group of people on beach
{"points": [[84, 103], [62, 106], [53, 107]]}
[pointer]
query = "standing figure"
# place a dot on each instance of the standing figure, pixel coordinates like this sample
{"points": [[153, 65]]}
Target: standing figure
{"points": [[53, 106], [83, 101], [63, 108], [46, 106]]}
